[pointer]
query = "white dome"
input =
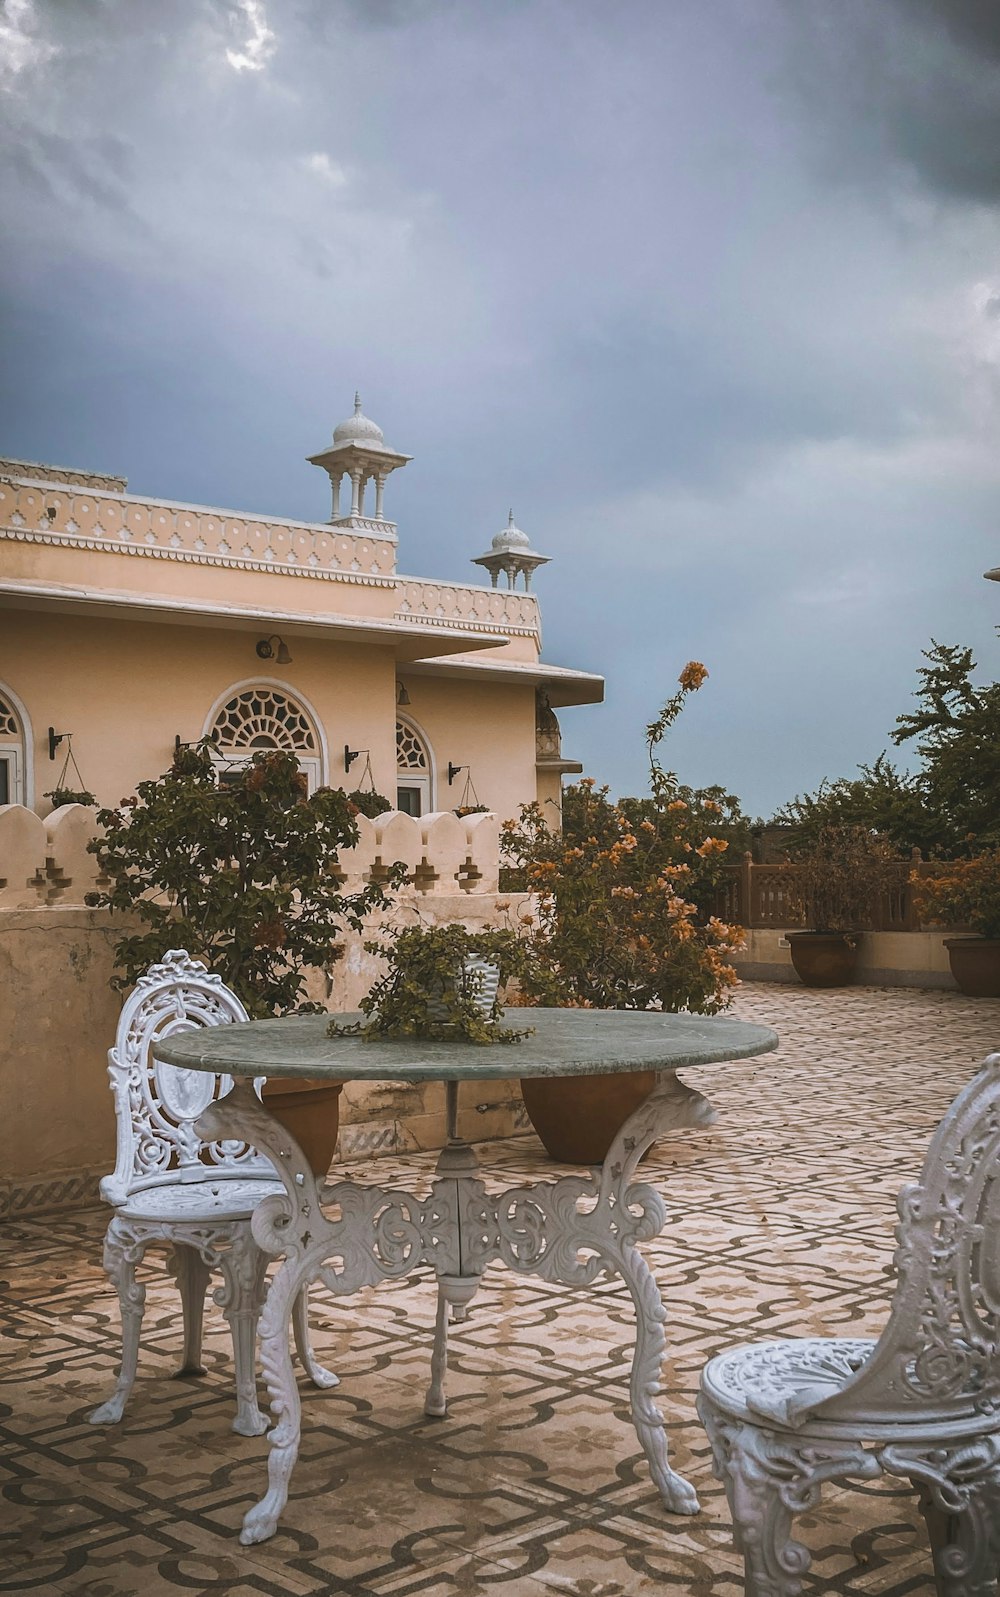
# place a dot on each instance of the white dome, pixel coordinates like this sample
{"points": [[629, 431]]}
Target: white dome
{"points": [[511, 538], [359, 429]]}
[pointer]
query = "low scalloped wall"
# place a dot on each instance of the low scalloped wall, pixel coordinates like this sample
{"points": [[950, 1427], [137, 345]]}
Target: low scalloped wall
{"points": [[45, 862]]}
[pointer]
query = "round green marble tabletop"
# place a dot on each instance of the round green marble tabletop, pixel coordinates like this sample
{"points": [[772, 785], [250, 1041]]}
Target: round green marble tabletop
{"points": [[564, 1042]]}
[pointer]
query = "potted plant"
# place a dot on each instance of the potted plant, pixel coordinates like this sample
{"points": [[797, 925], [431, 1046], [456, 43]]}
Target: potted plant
{"points": [[69, 795], [241, 875], [967, 893], [368, 802], [621, 917], [440, 982], [837, 885]]}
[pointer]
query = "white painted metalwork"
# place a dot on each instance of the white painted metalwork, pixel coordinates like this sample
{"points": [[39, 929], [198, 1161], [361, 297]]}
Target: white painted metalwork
{"points": [[922, 1402], [171, 1187], [571, 1230]]}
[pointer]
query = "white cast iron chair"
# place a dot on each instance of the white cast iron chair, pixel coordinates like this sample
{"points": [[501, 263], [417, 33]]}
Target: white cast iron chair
{"points": [[922, 1402], [170, 1187]]}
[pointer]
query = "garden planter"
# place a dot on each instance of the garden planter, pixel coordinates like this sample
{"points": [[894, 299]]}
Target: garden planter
{"points": [[578, 1117], [824, 959], [310, 1111], [975, 965]]}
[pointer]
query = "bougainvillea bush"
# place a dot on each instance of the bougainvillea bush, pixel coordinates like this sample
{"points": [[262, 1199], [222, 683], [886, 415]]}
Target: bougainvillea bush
{"points": [[241, 873], [623, 893], [967, 893]]}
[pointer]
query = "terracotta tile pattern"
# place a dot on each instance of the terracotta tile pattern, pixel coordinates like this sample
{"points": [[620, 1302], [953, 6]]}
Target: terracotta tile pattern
{"points": [[780, 1221]]}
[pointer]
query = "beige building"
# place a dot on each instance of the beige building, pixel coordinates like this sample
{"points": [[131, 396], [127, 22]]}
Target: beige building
{"points": [[128, 623]]}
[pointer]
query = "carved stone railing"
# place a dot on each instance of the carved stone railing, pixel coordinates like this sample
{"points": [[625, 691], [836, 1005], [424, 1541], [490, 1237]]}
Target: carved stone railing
{"points": [[754, 895], [472, 608], [64, 515], [45, 863]]}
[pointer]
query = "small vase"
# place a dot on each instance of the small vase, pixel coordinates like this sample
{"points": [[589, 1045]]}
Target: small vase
{"points": [[478, 981]]}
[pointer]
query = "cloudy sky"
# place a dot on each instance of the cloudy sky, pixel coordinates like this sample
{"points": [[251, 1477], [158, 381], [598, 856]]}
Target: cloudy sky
{"points": [[709, 293]]}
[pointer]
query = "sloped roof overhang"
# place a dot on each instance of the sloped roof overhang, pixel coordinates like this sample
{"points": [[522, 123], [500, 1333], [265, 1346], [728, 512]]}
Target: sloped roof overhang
{"points": [[563, 685], [410, 643]]}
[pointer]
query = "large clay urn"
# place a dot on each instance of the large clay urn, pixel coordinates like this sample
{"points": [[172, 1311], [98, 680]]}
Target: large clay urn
{"points": [[975, 965], [578, 1117], [310, 1111], [824, 959]]}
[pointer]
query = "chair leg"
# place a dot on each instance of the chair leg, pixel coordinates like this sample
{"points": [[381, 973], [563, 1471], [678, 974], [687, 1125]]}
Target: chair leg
{"points": [[960, 1500], [191, 1273], [769, 1479], [244, 1268], [122, 1252], [300, 1330]]}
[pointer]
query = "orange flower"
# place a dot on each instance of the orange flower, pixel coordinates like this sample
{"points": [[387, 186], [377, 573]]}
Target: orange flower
{"points": [[712, 845], [692, 676]]}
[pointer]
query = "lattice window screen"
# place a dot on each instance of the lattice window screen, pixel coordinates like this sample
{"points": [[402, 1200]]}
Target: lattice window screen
{"points": [[264, 718], [410, 752], [10, 726]]}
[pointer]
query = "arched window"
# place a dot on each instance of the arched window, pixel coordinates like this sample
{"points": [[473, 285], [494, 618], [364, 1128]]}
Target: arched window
{"points": [[413, 771], [265, 717], [12, 763]]}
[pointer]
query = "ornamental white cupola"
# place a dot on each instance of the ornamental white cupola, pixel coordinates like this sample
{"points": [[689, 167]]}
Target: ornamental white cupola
{"points": [[511, 553], [360, 453]]}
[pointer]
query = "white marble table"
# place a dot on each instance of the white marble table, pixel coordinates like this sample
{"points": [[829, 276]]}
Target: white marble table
{"points": [[571, 1229]]}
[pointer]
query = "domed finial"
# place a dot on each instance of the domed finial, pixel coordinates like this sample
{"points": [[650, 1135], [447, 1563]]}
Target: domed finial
{"points": [[510, 518], [357, 402]]}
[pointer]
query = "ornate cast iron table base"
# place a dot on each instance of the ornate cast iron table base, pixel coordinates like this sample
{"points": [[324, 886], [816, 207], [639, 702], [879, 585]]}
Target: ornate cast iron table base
{"points": [[570, 1230]]}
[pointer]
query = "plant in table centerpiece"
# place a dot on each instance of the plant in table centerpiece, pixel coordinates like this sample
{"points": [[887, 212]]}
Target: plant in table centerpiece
{"points": [[837, 886], [441, 982], [967, 893], [242, 875], [622, 918]]}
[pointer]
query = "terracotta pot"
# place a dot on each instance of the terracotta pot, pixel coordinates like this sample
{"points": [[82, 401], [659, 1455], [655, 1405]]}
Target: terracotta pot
{"points": [[975, 965], [578, 1117], [310, 1110], [824, 959]]}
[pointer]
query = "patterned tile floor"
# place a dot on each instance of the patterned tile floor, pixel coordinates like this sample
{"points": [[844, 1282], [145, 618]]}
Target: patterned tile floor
{"points": [[780, 1220]]}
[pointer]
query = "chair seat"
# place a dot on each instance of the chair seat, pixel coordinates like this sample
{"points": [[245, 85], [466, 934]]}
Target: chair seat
{"points": [[768, 1380], [225, 1198]]}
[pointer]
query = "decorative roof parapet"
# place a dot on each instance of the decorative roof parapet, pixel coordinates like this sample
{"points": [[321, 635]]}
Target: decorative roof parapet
{"points": [[39, 511], [455, 604]]}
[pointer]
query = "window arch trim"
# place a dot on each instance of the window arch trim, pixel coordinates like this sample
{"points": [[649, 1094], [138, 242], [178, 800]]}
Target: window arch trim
{"points": [[27, 743], [322, 754], [428, 747]]}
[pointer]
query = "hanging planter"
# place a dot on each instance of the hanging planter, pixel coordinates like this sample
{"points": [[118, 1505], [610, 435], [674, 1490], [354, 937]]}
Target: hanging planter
{"points": [[62, 793], [366, 796]]}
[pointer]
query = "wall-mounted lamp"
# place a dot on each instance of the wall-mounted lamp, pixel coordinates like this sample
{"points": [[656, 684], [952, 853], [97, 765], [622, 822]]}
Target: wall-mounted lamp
{"points": [[350, 755], [453, 771], [266, 650], [55, 738]]}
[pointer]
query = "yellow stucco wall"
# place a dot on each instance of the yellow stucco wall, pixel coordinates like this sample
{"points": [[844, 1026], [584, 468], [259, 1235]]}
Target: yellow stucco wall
{"points": [[126, 689]]}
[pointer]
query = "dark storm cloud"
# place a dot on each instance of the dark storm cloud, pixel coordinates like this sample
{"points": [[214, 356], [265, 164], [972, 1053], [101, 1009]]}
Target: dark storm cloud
{"points": [[709, 293], [915, 81]]}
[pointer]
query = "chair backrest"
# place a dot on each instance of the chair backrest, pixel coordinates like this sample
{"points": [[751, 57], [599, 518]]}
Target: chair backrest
{"points": [[156, 1104], [938, 1359]]}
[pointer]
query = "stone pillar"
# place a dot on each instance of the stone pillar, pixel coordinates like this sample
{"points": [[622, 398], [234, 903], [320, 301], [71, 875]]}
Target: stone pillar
{"points": [[335, 482], [355, 490], [379, 490], [361, 495]]}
